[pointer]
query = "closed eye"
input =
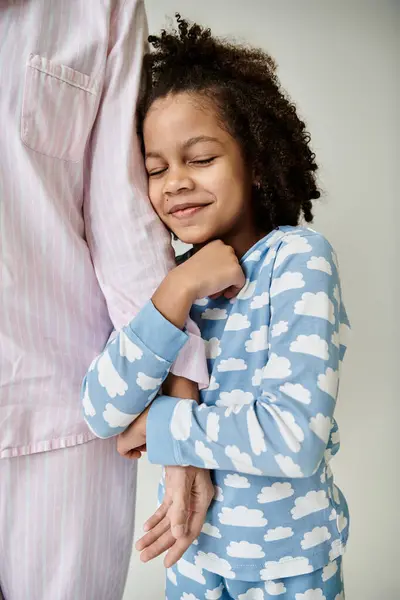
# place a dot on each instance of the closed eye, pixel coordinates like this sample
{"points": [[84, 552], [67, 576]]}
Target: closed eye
{"points": [[157, 172], [204, 161]]}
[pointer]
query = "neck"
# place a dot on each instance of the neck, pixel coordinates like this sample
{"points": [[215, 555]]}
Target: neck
{"points": [[241, 241]]}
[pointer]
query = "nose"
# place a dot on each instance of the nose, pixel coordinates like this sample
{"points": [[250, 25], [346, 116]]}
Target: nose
{"points": [[177, 180]]}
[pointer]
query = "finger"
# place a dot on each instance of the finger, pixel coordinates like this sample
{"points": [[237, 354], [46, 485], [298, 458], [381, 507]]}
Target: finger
{"points": [[215, 296], [179, 512], [158, 516], [176, 551], [132, 454], [152, 536], [160, 545], [195, 524]]}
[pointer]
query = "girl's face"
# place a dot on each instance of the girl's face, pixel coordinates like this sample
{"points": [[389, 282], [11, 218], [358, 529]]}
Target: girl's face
{"points": [[199, 183]]}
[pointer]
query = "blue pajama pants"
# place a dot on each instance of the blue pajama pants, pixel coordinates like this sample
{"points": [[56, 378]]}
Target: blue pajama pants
{"points": [[184, 583]]}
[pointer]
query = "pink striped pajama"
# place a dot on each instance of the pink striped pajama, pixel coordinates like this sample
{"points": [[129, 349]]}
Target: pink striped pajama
{"points": [[80, 252], [66, 522]]}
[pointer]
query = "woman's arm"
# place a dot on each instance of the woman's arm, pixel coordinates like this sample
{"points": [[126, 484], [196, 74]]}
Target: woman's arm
{"points": [[279, 427]]}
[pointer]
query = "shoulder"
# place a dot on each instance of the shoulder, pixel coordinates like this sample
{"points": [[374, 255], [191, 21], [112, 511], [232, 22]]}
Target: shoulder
{"points": [[303, 245]]}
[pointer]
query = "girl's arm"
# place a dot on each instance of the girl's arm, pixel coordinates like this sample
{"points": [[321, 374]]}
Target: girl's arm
{"points": [[281, 425], [124, 379]]}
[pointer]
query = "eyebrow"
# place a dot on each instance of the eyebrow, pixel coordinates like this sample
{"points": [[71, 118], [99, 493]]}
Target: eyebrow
{"points": [[188, 144]]}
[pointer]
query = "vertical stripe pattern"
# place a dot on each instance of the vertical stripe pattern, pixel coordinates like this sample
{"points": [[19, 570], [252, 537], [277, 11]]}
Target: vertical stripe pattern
{"points": [[67, 533], [81, 249]]}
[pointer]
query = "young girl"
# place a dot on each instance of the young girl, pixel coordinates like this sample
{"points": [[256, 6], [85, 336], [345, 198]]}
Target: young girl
{"points": [[231, 172]]}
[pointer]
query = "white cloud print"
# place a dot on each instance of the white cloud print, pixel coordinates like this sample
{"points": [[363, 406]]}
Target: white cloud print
{"points": [[294, 244], [88, 407], [216, 593], [232, 364], [274, 589], [277, 491], [186, 596], [258, 340], [311, 344], [234, 401], [214, 314], [254, 256], [212, 427], [191, 571], [329, 571], [279, 328], [277, 367], [316, 305], [148, 383], [297, 392], [257, 377], [313, 538], [286, 566], [117, 418], [241, 516], [237, 322], [245, 550], [235, 480], [319, 263], [328, 382], [287, 281], [211, 530], [269, 258], [206, 455], [171, 575], [336, 549], [321, 426], [213, 347], [311, 594], [214, 385], [290, 431], [109, 378], [128, 349], [279, 533], [201, 302], [211, 562], [288, 466], [252, 594], [312, 502], [259, 301], [256, 434], [241, 461], [219, 494], [247, 290], [181, 421]]}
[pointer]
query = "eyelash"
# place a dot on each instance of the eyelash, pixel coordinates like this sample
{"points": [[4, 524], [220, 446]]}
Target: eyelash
{"points": [[204, 161]]}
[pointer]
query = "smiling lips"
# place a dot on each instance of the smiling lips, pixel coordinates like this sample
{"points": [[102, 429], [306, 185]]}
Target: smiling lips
{"points": [[183, 211]]}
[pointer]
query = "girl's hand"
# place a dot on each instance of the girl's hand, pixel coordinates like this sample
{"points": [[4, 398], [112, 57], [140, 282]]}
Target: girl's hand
{"points": [[132, 442], [213, 270]]}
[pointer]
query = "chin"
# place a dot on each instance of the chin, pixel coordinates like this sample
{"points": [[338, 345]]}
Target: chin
{"points": [[190, 236]]}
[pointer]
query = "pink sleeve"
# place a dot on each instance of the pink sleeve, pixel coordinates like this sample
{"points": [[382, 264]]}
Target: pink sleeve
{"points": [[129, 246]]}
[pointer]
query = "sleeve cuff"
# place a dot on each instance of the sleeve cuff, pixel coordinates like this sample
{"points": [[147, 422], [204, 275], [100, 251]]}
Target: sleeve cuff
{"points": [[162, 449], [159, 335], [191, 361]]}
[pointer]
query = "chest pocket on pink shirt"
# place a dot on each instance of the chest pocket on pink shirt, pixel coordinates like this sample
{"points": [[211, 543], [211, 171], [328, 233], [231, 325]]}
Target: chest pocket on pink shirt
{"points": [[59, 108]]}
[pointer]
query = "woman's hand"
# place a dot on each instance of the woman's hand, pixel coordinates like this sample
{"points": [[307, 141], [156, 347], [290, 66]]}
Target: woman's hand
{"points": [[180, 518]]}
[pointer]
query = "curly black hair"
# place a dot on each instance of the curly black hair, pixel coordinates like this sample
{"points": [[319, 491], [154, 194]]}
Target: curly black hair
{"points": [[242, 83]]}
